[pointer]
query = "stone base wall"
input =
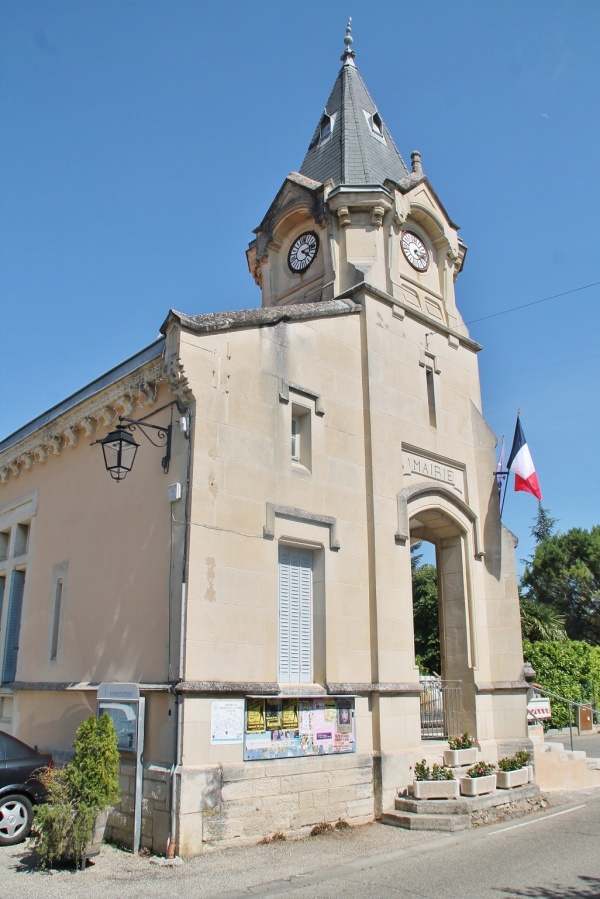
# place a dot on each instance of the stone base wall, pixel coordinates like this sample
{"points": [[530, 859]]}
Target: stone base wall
{"points": [[226, 805], [155, 808]]}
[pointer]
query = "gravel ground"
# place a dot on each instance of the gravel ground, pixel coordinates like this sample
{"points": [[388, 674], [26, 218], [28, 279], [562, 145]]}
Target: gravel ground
{"points": [[227, 873]]}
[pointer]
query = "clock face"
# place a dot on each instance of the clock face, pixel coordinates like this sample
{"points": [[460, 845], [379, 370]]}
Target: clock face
{"points": [[415, 251], [303, 251]]}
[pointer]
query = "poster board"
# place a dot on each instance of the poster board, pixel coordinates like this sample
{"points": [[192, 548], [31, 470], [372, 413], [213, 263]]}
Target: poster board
{"points": [[282, 727]]}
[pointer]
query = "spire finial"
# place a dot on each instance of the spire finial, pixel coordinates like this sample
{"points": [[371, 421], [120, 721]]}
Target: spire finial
{"points": [[348, 55]]}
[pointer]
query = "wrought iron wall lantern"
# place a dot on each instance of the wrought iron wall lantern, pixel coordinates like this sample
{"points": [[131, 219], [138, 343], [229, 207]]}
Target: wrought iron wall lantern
{"points": [[119, 447]]}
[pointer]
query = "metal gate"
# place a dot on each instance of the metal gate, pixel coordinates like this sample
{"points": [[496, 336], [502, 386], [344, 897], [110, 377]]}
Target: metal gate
{"points": [[440, 707]]}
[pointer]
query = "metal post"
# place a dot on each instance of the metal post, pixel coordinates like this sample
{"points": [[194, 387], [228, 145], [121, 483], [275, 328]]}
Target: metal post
{"points": [[571, 723]]}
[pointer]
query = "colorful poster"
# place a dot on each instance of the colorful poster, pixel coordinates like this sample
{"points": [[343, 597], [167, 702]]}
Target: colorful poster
{"points": [[330, 710], [273, 714], [255, 715], [289, 714], [344, 717]]}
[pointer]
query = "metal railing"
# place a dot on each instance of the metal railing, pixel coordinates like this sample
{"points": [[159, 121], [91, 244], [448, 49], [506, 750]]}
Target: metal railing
{"points": [[541, 691], [441, 705]]}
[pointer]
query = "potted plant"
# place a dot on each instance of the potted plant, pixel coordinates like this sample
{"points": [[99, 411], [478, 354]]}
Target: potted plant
{"points": [[461, 751], [434, 783], [481, 778], [513, 770], [79, 796]]}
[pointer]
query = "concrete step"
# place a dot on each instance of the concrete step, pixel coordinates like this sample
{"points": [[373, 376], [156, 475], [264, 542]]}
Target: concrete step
{"points": [[415, 821], [460, 814], [592, 764]]}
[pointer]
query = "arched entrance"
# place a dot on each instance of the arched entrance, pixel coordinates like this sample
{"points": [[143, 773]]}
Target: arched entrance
{"points": [[439, 518]]}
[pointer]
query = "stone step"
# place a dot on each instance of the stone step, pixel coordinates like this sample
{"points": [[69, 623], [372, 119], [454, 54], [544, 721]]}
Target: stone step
{"points": [[460, 814], [464, 805], [592, 764], [415, 821]]}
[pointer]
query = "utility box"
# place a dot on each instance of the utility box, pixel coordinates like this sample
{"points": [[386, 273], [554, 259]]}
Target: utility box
{"points": [[586, 719]]}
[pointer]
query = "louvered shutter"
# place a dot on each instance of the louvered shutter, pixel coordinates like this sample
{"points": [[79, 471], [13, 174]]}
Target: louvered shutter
{"points": [[295, 615], [13, 626], [2, 583]]}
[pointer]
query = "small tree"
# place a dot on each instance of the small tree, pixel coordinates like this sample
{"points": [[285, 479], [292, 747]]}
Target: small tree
{"points": [[87, 785]]}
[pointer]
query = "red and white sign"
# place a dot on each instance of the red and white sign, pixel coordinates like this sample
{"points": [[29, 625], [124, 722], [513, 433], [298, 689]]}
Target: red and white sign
{"points": [[538, 709]]}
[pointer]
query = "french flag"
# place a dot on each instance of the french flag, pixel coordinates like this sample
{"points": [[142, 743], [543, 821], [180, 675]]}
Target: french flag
{"points": [[521, 463]]}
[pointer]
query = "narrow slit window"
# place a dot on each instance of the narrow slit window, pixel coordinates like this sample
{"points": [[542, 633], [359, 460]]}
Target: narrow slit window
{"points": [[295, 438], [301, 436], [2, 588], [58, 593], [429, 378]]}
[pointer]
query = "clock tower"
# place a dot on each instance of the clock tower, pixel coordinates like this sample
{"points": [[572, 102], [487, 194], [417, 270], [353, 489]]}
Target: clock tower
{"points": [[355, 213]]}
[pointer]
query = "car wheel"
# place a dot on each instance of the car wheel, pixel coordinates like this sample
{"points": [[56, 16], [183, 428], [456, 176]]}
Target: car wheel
{"points": [[16, 818]]}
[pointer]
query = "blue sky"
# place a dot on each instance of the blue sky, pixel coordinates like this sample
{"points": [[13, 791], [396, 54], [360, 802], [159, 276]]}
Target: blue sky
{"points": [[142, 141]]}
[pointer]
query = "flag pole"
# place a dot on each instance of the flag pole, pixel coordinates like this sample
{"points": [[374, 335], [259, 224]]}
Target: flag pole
{"points": [[506, 473]]}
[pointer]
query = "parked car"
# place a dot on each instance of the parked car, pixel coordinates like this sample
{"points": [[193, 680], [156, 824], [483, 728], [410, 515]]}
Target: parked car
{"points": [[20, 789]]}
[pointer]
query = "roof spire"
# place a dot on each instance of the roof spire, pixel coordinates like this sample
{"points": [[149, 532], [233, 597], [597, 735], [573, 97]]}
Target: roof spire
{"points": [[348, 55]]}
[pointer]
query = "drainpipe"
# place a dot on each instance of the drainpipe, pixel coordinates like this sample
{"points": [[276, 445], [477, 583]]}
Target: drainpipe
{"points": [[176, 766]]}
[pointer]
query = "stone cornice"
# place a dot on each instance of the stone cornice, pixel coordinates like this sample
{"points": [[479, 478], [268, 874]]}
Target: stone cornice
{"points": [[138, 389]]}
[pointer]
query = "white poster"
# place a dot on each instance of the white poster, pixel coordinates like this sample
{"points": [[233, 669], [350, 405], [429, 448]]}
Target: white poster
{"points": [[227, 721]]}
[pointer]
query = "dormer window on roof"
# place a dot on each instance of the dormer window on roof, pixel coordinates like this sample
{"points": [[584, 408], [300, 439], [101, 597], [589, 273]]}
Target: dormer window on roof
{"points": [[375, 124], [326, 127]]}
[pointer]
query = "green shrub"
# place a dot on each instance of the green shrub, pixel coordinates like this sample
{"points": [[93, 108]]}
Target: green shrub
{"points": [[570, 669], [481, 769], [87, 785], [465, 741], [437, 772], [514, 762]]}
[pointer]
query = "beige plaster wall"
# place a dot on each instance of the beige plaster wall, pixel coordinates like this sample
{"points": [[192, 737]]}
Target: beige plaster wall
{"points": [[112, 542]]}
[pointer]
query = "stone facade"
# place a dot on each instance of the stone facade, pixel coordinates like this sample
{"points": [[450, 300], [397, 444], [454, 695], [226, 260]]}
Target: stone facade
{"points": [[342, 419]]}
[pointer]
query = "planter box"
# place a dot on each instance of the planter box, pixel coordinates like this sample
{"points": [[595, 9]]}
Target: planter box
{"points": [[475, 786], [456, 757], [506, 780], [435, 789]]}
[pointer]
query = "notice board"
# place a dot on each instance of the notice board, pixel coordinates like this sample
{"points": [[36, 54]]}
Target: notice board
{"points": [[278, 728]]}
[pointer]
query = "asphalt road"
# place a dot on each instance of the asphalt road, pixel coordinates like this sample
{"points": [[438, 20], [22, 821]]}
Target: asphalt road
{"points": [[554, 854]]}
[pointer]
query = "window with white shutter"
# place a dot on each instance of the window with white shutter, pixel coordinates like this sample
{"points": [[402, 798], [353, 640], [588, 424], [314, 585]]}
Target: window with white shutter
{"points": [[295, 615]]}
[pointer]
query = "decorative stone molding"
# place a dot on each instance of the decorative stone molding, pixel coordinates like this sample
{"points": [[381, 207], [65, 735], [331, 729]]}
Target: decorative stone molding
{"points": [[202, 687], [343, 215], [404, 497], [178, 381], [27, 460], [65, 430], [288, 512], [41, 453], [88, 426], [71, 436], [284, 395], [516, 686], [394, 689], [377, 215]]}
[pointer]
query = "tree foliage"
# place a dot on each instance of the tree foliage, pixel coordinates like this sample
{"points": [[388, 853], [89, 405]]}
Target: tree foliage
{"points": [[540, 621], [570, 668], [564, 574], [425, 614], [543, 526]]}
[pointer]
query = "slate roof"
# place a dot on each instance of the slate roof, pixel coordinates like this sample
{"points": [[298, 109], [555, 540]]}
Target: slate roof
{"points": [[353, 154]]}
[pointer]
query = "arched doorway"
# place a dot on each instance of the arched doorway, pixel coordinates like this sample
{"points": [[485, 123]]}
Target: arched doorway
{"points": [[448, 698]]}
